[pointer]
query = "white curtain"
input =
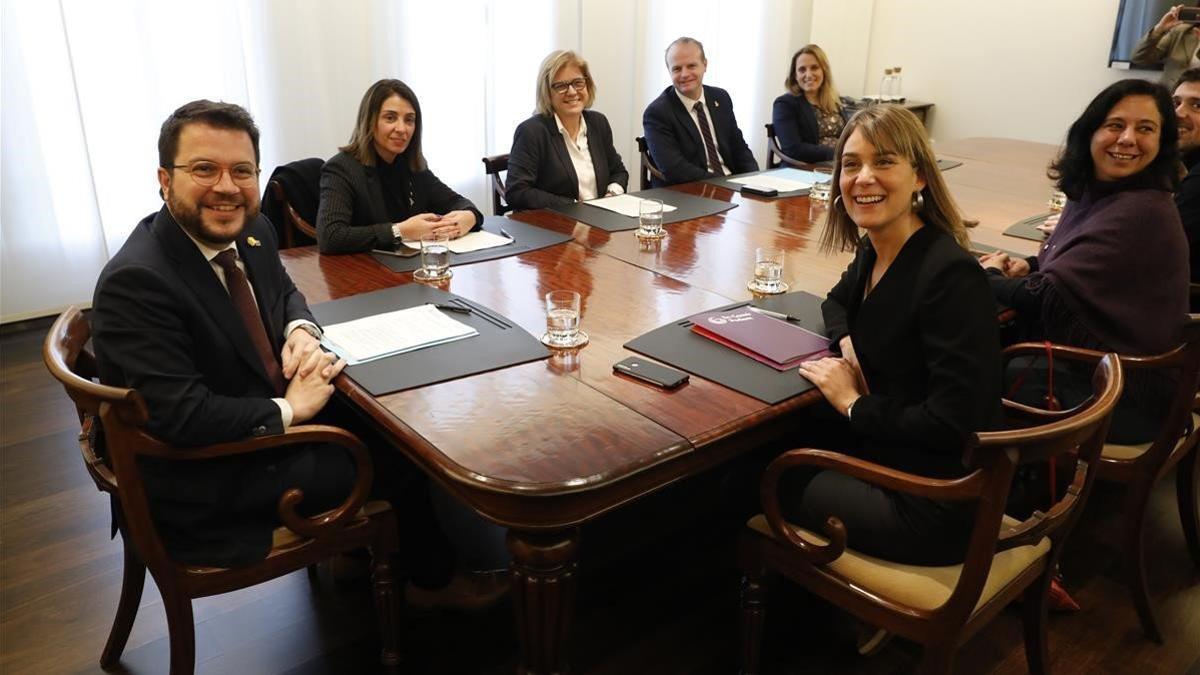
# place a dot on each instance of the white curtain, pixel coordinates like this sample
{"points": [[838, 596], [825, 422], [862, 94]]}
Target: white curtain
{"points": [[86, 85]]}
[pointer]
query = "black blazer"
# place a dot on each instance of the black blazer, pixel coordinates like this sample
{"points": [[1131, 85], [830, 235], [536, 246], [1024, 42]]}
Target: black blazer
{"points": [[540, 172], [929, 345], [164, 325], [353, 216], [796, 128], [675, 143]]}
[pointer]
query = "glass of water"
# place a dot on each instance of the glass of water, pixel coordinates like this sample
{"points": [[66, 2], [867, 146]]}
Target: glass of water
{"points": [[818, 195], [435, 258], [562, 321], [1057, 201], [650, 219], [768, 271]]}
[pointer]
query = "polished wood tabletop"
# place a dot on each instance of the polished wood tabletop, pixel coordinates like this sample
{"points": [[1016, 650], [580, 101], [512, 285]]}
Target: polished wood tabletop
{"points": [[545, 446]]}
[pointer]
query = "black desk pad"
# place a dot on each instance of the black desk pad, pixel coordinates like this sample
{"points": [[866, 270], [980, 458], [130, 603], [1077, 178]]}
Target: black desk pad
{"points": [[500, 342], [675, 344], [686, 207], [737, 187], [977, 247], [525, 237], [1026, 228]]}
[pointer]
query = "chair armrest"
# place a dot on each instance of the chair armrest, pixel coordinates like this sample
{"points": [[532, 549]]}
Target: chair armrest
{"points": [[773, 146], [302, 434], [957, 489]]}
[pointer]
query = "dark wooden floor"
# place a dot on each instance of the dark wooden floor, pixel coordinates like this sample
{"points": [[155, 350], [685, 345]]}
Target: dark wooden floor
{"points": [[59, 576]]}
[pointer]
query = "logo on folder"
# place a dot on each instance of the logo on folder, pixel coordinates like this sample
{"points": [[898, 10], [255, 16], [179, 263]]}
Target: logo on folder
{"points": [[732, 317]]}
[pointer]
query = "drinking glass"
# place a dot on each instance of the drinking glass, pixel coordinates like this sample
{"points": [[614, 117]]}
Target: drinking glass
{"points": [[435, 258], [562, 321], [650, 219], [768, 271], [818, 195], [1057, 202]]}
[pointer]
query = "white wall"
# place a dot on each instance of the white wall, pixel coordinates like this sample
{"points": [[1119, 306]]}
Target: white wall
{"points": [[1018, 69]]}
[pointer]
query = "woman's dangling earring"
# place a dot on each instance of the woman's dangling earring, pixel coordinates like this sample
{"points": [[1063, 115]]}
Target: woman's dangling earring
{"points": [[918, 201]]}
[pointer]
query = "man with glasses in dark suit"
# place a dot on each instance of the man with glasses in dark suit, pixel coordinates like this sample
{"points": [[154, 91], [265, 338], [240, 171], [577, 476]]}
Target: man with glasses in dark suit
{"points": [[197, 313]]}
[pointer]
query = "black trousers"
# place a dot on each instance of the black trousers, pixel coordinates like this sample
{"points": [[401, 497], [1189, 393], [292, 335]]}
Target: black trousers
{"points": [[225, 517], [879, 522]]}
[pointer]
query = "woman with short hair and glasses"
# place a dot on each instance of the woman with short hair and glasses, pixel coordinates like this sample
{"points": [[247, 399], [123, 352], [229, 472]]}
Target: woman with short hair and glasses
{"points": [[378, 190], [564, 153]]}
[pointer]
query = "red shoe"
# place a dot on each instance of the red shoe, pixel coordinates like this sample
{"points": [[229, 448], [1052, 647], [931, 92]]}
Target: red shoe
{"points": [[1060, 600]]}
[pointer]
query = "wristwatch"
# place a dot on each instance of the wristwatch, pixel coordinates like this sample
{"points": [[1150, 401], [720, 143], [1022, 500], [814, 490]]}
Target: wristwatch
{"points": [[397, 237]]}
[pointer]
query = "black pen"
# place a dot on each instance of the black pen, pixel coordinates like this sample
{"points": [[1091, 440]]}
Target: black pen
{"points": [[453, 308], [505, 233]]}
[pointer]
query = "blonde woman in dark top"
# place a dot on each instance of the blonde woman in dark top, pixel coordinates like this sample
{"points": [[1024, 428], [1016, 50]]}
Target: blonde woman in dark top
{"points": [[809, 118]]}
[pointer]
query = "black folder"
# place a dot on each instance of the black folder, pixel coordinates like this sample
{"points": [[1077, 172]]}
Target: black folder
{"points": [[525, 238], [500, 342], [677, 345], [686, 207]]}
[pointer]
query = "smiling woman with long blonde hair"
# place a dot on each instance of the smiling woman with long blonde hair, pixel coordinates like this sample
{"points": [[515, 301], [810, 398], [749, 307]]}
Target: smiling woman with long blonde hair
{"points": [[809, 118]]}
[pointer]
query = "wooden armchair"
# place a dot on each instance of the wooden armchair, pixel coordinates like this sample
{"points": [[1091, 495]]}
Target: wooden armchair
{"points": [[112, 439], [775, 156], [938, 607], [492, 166], [648, 171], [1140, 466], [293, 221]]}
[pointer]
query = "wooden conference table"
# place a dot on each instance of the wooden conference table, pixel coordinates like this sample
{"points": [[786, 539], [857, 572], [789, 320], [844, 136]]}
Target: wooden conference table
{"points": [[544, 447]]}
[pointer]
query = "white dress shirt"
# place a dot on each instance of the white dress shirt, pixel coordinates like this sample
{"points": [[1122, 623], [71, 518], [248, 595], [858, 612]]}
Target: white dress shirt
{"points": [[581, 159], [689, 105]]}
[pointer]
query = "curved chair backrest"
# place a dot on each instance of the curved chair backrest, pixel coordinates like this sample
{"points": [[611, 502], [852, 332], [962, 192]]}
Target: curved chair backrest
{"points": [[648, 172], [492, 166]]}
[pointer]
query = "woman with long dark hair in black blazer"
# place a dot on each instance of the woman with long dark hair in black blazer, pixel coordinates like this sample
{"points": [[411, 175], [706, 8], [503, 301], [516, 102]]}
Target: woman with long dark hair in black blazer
{"points": [[565, 152], [915, 324], [810, 117], [378, 189]]}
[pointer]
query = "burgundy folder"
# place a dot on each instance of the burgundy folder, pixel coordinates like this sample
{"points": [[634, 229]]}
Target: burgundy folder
{"points": [[775, 342]]}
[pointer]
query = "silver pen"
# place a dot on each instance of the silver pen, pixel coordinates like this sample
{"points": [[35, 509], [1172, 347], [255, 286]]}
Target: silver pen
{"points": [[770, 313]]}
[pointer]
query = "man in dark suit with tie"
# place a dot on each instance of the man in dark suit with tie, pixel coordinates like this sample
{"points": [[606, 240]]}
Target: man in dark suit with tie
{"points": [[197, 313], [690, 127]]}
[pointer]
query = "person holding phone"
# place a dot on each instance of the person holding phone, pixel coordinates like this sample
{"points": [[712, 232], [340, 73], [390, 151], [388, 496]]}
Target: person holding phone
{"points": [[1173, 42], [378, 190]]}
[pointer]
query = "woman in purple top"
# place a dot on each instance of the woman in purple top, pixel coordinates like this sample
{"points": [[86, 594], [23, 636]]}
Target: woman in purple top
{"points": [[1114, 275]]}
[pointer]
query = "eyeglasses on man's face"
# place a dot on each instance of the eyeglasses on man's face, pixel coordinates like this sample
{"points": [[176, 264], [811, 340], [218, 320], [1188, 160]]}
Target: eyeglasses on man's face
{"points": [[208, 174], [578, 84]]}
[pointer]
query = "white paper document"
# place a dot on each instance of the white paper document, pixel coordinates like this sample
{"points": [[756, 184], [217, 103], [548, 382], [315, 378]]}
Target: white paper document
{"points": [[472, 241], [626, 205], [771, 181], [405, 330]]}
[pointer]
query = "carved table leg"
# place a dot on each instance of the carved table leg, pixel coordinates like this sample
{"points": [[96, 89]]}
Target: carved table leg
{"points": [[545, 572]]}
